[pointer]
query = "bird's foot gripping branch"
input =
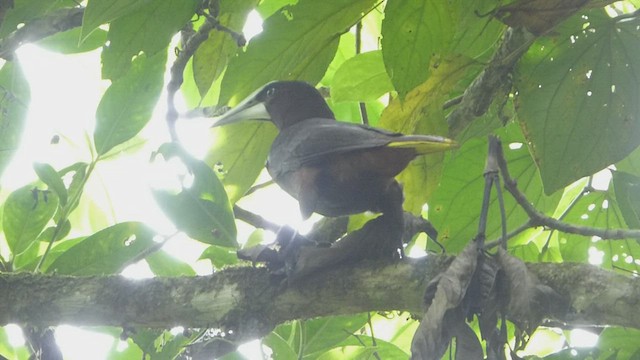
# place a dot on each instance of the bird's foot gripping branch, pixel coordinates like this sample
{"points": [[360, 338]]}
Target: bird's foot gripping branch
{"points": [[298, 256]]}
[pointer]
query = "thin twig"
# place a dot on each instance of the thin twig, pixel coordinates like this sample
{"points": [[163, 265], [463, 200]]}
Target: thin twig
{"points": [[539, 219], [254, 220], [188, 50]]}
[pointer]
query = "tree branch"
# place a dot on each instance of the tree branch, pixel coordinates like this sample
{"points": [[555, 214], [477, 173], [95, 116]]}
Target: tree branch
{"points": [[37, 29], [539, 219], [251, 302], [480, 94]]}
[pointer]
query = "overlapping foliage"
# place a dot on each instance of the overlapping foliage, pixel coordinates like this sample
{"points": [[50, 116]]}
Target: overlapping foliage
{"points": [[568, 110]]}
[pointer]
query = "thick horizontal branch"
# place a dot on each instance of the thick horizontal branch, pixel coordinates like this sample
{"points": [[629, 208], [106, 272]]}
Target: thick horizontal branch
{"points": [[251, 302]]}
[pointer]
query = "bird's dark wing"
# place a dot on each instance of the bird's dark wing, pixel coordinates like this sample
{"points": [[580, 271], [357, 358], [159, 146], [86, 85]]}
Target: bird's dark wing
{"points": [[314, 140]]}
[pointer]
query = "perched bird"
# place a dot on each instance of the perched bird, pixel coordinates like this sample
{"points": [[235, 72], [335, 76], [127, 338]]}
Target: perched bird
{"points": [[331, 167]]}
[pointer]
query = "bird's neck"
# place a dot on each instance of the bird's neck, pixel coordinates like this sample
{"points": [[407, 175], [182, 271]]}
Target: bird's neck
{"points": [[302, 111]]}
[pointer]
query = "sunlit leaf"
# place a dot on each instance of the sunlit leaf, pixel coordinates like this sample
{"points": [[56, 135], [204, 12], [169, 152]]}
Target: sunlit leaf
{"points": [[49, 176], [24, 10], [619, 342], [14, 101], [627, 190], [412, 31], [240, 152], [106, 252], [100, 12], [201, 210], [128, 103], [163, 264], [26, 212], [421, 113], [220, 256], [148, 29], [599, 209], [296, 44], [578, 97], [68, 42], [212, 55], [361, 78]]}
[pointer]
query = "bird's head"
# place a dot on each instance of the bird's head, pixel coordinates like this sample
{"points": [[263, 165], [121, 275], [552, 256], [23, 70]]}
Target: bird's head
{"points": [[282, 102]]}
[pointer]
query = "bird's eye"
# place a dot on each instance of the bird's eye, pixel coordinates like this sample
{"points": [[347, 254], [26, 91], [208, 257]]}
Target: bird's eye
{"points": [[271, 92]]}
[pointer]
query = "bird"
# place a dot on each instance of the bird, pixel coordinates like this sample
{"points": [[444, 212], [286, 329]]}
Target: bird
{"points": [[331, 167]]}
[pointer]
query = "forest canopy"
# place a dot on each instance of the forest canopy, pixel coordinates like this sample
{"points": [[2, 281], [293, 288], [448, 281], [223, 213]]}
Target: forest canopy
{"points": [[556, 81]]}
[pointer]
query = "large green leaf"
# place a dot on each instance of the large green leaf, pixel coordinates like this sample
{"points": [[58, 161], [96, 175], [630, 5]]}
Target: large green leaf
{"points": [[148, 29], [26, 212], [627, 190], [212, 55], [421, 113], [240, 152], [14, 101], [128, 103], [599, 209], [68, 42], [578, 97], [412, 31], [308, 339], [297, 43], [106, 252], [100, 12], [22, 11], [454, 208], [361, 78], [619, 343], [201, 210]]}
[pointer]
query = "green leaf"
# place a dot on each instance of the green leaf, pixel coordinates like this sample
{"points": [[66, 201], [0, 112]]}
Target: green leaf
{"points": [[9, 351], [619, 341], [23, 11], [324, 333], [100, 12], [68, 42], [578, 97], [421, 113], [26, 212], [475, 36], [212, 55], [106, 252], [627, 190], [14, 101], [202, 210], [296, 44], [266, 8], [240, 153], [361, 78], [128, 103], [49, 176], [163, 264], [220, 256], [148, 29], [412, 31], [455, 206], [598, 209]]}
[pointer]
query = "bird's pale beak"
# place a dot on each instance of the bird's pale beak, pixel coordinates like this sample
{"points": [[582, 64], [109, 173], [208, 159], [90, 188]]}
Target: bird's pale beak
{"points": [[249, 109]]}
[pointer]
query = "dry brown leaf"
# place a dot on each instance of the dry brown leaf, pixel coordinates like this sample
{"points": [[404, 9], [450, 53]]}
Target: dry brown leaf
{"points": [[444, 314]]}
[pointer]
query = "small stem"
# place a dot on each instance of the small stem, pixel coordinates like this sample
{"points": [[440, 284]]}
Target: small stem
{"points": [[64, 215]]}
